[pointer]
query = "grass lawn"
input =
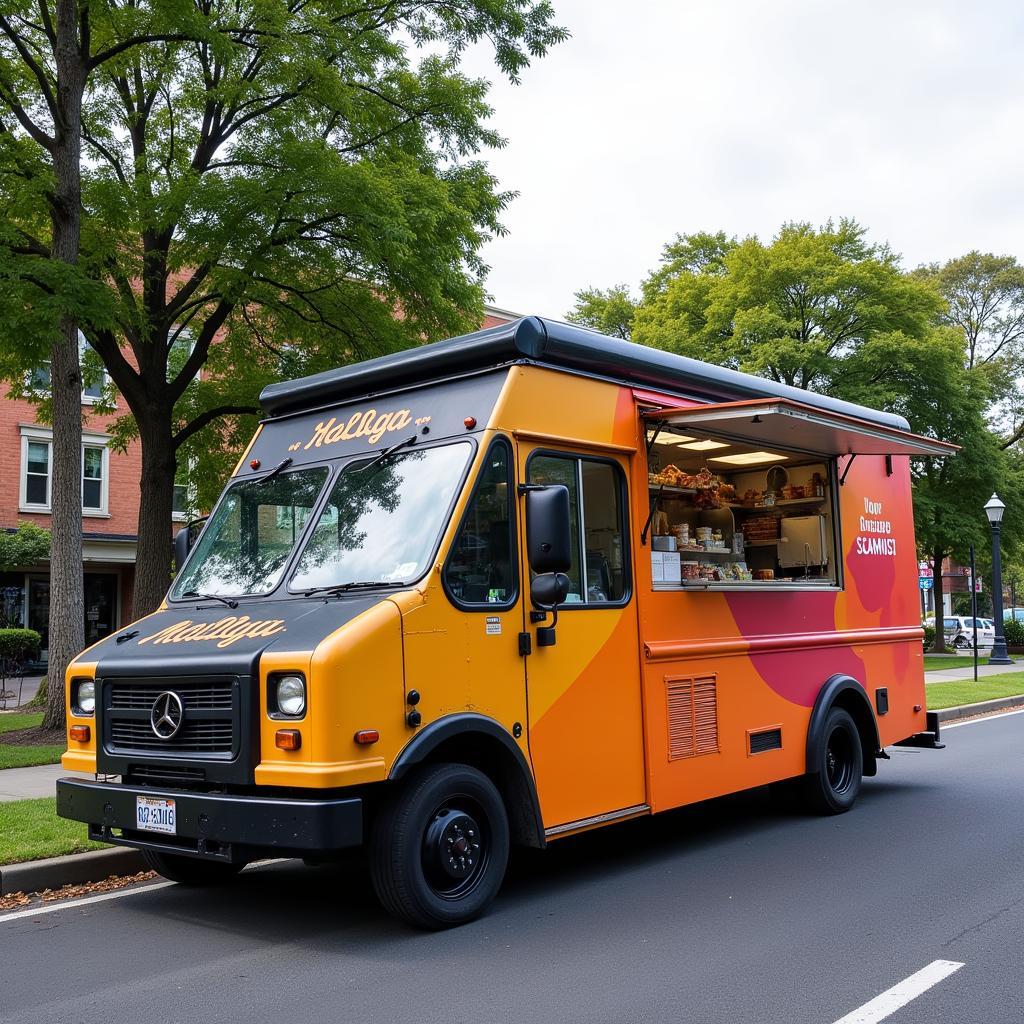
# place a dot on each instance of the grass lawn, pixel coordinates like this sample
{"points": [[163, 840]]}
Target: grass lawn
{"points": [[966, 691], [31, 830], [946, 661], [24, 757]]}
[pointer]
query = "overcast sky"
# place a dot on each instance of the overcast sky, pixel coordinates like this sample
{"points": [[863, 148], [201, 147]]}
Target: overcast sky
{"points": [[666, 116]]}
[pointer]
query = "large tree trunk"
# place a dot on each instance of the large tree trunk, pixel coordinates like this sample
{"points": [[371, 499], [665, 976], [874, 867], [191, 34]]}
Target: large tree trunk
{"points": [[67, 597], [939, 647], [153, 561]]}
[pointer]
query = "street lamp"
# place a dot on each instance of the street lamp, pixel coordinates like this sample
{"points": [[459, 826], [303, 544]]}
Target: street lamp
{"points": [[994, 509]]}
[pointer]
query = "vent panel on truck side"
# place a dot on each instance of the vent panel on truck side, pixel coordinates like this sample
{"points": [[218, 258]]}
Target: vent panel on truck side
{"points": [[692, 716]]}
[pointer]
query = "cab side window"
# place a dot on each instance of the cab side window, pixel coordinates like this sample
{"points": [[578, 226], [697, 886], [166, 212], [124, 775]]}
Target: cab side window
{"points": [[481, 568], [599, 571]]}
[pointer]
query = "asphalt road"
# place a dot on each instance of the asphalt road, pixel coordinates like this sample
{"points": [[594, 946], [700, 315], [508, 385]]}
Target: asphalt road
{"points": [[733, 911]]}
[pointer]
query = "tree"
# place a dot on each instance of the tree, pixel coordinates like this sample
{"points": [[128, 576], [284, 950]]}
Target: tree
{"points": [[797, 310], [609, 311], [273, 187], [984, 297], [47, 55]]}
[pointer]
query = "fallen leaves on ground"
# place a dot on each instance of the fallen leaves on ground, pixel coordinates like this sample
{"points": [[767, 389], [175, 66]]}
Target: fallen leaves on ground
{"points": [[66, 892]]}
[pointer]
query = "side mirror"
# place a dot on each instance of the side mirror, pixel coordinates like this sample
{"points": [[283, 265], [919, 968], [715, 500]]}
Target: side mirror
{"points": [[184, 541], [182, 546], [549, 591], [548, 533]]}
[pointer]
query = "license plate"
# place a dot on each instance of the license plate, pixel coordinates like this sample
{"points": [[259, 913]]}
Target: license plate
{"points": [[155, 815]]}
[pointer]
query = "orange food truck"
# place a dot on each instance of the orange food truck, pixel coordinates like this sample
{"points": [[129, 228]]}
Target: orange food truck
{"points": [[500, 590]]}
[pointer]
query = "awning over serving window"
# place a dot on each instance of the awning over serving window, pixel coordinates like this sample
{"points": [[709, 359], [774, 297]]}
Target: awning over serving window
{"points": [[782, 423]]}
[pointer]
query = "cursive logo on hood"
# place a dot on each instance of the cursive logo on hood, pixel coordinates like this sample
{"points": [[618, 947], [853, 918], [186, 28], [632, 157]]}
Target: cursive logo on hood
{"points": [[225, 631]]}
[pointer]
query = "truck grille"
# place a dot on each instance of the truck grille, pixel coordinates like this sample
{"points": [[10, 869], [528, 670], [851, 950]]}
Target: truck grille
{"points": [[209, 725], [212, 696]]}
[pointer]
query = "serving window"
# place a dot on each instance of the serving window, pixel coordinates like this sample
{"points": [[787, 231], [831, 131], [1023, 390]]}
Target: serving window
{"points": [[728, 513]]}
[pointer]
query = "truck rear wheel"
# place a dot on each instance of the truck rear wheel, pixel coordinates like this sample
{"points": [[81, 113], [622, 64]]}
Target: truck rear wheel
{"points": [[439, 848], [191, 870], [833, 788]]}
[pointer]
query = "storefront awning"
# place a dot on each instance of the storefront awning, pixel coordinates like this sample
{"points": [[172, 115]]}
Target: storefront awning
{"points": [[782, 423]]}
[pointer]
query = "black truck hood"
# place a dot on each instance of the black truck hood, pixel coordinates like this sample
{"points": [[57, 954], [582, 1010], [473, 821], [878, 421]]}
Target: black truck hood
{"points": [[191, 639]]}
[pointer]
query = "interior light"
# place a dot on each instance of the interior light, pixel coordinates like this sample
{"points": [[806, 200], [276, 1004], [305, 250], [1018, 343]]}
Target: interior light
{"points": [[747, 458], [704, 446]]}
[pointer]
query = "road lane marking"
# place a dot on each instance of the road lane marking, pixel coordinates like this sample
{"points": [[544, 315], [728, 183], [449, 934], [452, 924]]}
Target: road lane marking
{"points": [[49, 908], [975, 721], [899, 995]]}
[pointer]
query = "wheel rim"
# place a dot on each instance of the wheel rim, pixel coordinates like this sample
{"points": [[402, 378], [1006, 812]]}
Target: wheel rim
{"points": [[839, 761], [456, 848]]}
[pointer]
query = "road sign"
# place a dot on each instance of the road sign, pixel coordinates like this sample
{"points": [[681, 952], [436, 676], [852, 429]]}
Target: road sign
{"points": [[925, 582], [925, 571]]}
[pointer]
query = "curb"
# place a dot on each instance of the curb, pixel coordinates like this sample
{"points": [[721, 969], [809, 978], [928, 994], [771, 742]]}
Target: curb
{"points": [[52, 873], [981, 708]]}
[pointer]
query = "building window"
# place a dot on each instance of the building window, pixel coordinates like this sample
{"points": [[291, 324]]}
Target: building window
{"points": [[94, 377], [37, 472], [92, 477]]}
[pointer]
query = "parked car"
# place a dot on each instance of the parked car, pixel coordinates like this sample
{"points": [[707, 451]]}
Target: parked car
{"points": [[1013, 613], [959, 632]]}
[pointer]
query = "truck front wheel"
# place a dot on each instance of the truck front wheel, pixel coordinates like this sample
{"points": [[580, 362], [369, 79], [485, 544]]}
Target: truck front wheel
{"points": [[439, 847], [191, 870]]}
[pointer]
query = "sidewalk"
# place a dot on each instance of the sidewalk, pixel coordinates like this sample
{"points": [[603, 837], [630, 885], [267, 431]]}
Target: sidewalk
{"points": [[27, 783], [18, 692], [949, 675]]}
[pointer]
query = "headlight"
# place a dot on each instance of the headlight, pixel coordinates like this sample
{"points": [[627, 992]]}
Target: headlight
{"points": [[85, 697], [291, 695]]}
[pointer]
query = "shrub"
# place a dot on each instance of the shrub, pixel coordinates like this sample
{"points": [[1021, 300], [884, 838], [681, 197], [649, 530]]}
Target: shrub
{"points": [[929, 637], [18, 644], [1013, 630]]}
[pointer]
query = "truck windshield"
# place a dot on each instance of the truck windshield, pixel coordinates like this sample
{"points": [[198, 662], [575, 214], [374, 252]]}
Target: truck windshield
{"points": [[246, 544], [382, 519]]}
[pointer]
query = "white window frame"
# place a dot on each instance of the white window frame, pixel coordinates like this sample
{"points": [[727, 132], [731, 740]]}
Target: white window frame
{"points": [[43, 435], [190, 494], [24, 505], [83, 345]]}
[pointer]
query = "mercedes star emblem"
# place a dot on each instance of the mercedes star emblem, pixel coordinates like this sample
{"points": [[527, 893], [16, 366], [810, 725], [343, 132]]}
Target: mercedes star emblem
{"points": [[167, 715]]}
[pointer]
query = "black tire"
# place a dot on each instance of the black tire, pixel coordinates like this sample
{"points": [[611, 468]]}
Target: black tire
{"points": [[439, 847], [833, 788], [191, 870]]}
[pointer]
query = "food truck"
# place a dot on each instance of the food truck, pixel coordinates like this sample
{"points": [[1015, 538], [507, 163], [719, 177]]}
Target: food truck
{"points": [[503, 589]]}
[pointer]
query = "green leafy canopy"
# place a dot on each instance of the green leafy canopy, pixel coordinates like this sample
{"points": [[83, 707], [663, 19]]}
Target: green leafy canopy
{"points": [[269, 188]]}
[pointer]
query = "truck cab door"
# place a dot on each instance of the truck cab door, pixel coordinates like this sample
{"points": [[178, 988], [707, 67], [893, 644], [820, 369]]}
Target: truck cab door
{"points": [[585, 721]]}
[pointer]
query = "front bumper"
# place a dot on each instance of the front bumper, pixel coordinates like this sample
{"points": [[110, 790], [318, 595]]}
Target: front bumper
{"points": [[215, 825]]}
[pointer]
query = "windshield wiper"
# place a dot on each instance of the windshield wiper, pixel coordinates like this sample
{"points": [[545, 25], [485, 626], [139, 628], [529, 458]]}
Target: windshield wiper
{"points": [[387, 453], [340, 588], [282, 465], [230, 602]]}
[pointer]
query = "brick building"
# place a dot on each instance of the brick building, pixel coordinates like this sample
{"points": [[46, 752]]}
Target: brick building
{"points": [[110, 510]]}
